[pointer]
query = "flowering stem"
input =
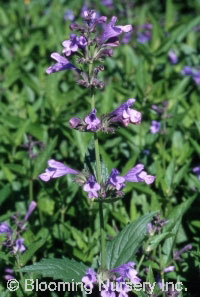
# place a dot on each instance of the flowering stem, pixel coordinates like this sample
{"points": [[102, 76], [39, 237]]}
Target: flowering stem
{"points": [[98, 176]]}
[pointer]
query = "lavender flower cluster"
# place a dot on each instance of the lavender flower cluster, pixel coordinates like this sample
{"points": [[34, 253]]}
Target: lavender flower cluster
{"points": [[80, 46], [123, 115], [193, 73], [13, 240], [113, 186], [115, 279]]}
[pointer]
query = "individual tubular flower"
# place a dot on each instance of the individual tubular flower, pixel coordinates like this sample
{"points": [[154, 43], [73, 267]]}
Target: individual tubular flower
{"points": [[155, 127], [187, 70], [62, 64], [56, 169], [122, 288], [108, 291], [107, 3], [111, 32], [172, 57], [135, 174], [31, 208], [127, 271], [69, 15], [9, 274], [125, 115], [92, 18], [19, 246], [74, 122], [169, 269], [92, 121], [196, 78], [91, 186], [90, 278], [116, 180], [5, 228], [70, 46], [196, 170], [143, 37]]}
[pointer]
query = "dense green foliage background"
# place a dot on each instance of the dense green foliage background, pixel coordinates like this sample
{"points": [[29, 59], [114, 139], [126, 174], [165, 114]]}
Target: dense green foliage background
{"points": [[33, 103]]}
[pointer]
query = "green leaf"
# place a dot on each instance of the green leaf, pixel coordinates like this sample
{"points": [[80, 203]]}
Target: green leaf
{"points": [[126, 243], [173, 225], [41, 161], [154, 242], [32, 249], [64, 269], [4, 193]]}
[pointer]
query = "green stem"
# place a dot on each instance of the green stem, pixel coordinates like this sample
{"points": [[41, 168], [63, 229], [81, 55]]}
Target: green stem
{"points": [[31, 189], [140, 263], [103, 255], [98, 173]]}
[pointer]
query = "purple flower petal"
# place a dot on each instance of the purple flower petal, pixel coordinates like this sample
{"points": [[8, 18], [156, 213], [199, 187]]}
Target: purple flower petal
{"points": [[125, 115], [91, 186], [155, 127], [89, 278], [112, 31], [19, 246], [127, 271], [62, 64], [116, 180], [173, 57], [31, 208], [56, 169], [136, 174], [5, 228], [92, 121]]}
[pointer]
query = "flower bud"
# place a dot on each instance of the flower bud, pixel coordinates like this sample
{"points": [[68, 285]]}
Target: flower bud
{"points": [[74, 122]]}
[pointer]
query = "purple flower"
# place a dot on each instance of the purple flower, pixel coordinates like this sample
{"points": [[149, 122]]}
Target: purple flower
{"points": [[89, 278], [111, 32], [143, 37], [127, 271], [92, 18], [8, 274], [82, 42], [5, 228], [70, 46], [196, 170], [121, 287], [116, 180], [107, 3], [108, 290], [19, 246], [62, 64], [69, 15], [91, 186], [56, 169], [137, 174], [169, 269], [31, 208], [196, 77], [92, 121], [155, 127], [187, 70], [172, 57], [74, 122], [125, 115]]}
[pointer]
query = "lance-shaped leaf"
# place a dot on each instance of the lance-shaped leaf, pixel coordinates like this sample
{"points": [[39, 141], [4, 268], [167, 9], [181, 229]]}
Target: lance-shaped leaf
{"points": [[63, 269], [126, 243]]}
